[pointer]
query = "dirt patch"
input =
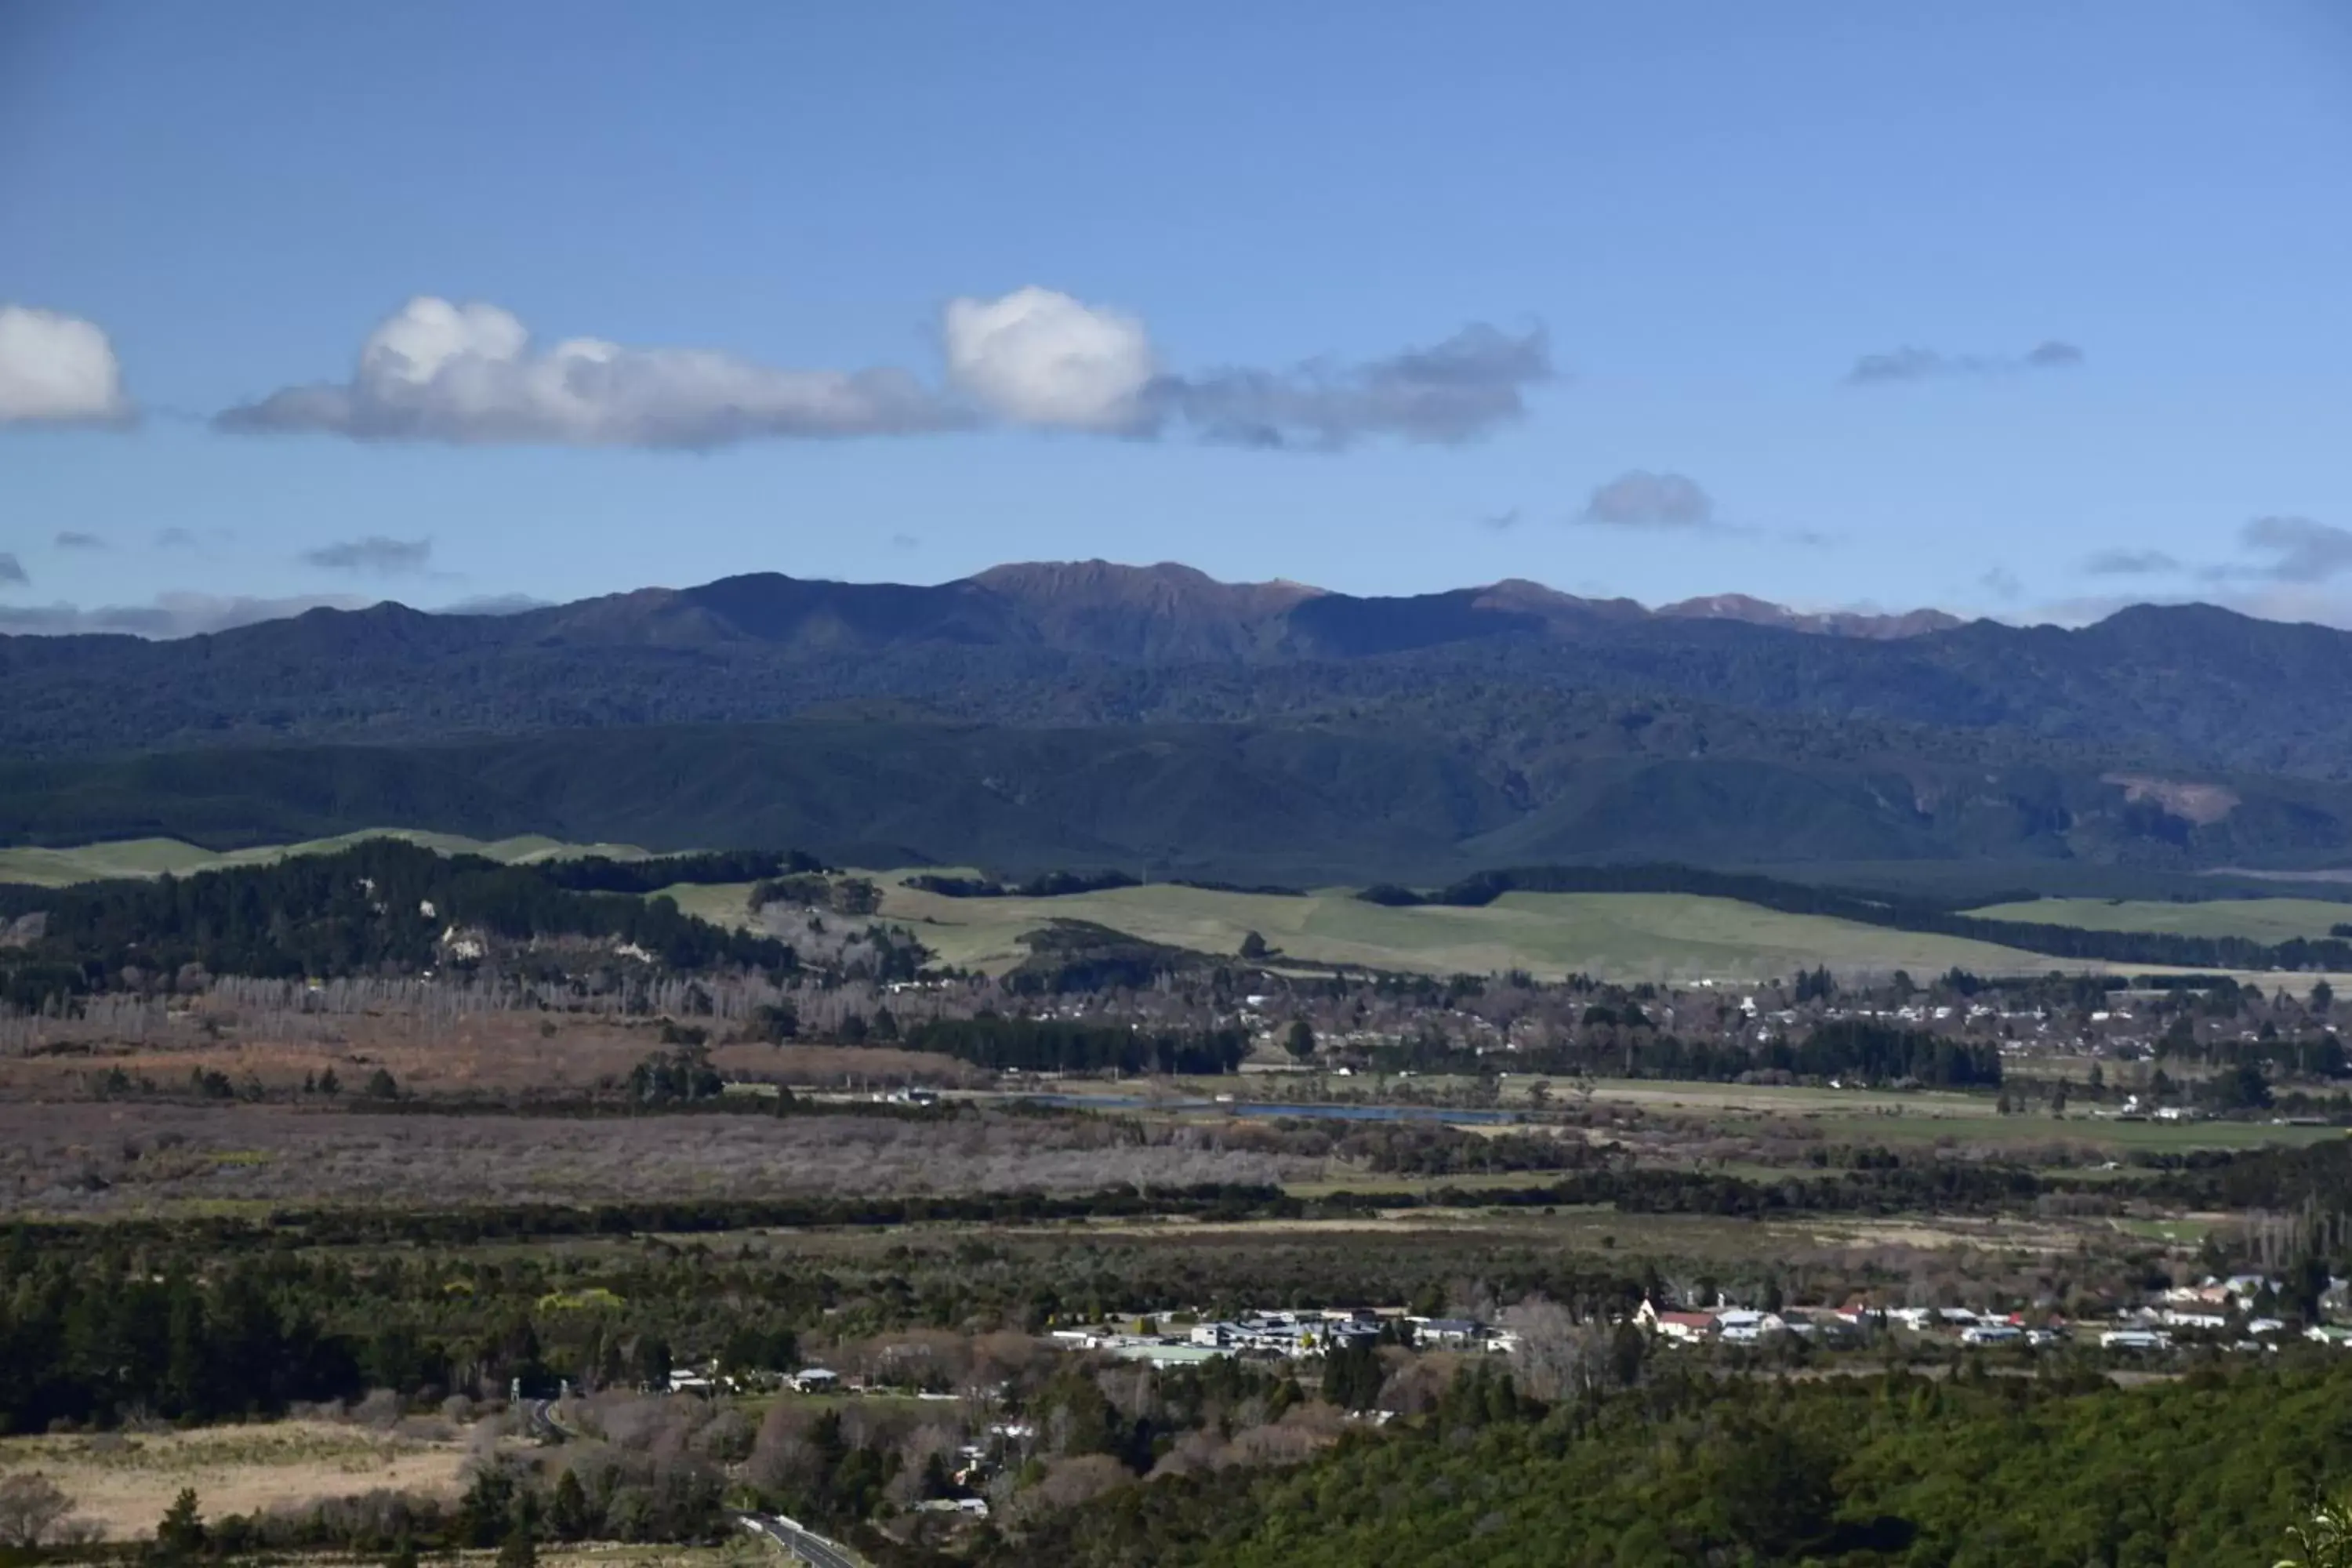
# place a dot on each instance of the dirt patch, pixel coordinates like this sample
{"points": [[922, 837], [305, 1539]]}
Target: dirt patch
{"points": [[2202, 804]]}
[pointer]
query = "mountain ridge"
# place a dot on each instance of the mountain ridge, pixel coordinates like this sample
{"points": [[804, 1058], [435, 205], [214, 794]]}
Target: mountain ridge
{"points": [[1068, 596], [1075, 643], [1064, 710]]}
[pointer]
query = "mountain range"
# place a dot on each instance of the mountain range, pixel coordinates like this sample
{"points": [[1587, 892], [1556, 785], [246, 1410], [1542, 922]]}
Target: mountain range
{"points": [[1063, 713]]}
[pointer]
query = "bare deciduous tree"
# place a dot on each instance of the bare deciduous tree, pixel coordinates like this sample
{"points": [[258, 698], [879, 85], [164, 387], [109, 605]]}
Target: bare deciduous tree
{"points": [[32, 1510], [1556, 1356]]}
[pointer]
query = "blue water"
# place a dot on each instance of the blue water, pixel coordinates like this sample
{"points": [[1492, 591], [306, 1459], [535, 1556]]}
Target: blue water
{"points": [[1270, 1111]]}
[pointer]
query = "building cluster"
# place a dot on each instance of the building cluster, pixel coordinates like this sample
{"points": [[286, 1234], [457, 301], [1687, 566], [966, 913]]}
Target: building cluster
{"points": [[2236, 1310], [1279, 1336]]}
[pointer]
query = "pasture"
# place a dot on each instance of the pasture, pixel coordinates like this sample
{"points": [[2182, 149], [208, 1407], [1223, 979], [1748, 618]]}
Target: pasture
{"points": [[1621, 936], [2257, 919], [155, 857]]}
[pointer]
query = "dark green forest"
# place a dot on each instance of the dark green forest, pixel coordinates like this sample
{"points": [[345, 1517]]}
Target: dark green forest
{"points": [[1341, 739], [1980, 1471], [381, 906], [1051, 1045]]}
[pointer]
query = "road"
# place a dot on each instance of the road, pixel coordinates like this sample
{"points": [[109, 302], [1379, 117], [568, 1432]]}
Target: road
{"points": [[540, 1415], [806, 1545]]}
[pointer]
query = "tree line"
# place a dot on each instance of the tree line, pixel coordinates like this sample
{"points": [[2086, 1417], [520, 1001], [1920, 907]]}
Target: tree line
{"points": [[1848, 1050], [87, 1349], [716, 868], [1682, 1467], [381, 905], [1062, 1045]]}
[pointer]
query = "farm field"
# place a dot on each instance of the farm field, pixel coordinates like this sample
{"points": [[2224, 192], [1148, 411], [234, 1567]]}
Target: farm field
{"points": [[1627, 936], [2258, 919], [1866, 1115], [1860, 1117], [154, 857], [122, 1481]]}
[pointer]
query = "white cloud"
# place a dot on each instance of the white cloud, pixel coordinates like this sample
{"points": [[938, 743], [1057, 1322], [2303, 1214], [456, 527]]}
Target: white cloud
{"points": [[1038, 357], [374, 554], [1911, 363], [495, 604], [2300, 550], [58, 368], [168, 615], [436, 371], [1641, 499], [1454, 391], [2128, 563]]}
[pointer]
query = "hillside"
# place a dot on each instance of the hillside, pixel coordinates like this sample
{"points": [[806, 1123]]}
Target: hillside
{"points": [[2190, 685], [1619, 936], [1248, 804], [59, 868], [1051, 715]]}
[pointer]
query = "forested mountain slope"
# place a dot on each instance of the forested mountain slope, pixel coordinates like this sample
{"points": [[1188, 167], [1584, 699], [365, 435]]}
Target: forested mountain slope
{"points": [[1076, 713]]}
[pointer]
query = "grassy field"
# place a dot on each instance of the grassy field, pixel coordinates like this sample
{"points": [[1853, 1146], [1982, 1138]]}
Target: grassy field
{"points": [[2259, 920], [1659, 936], [122, 1482], [154, 857]]}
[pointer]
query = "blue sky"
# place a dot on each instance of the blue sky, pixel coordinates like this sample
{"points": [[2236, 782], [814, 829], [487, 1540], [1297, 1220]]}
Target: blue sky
{"points": [[2100, 253]]}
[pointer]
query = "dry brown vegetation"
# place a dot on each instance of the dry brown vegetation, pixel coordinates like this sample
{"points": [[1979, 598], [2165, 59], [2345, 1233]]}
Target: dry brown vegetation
{"points": [[99, 1158], [476, 1052], [121, 1482]]}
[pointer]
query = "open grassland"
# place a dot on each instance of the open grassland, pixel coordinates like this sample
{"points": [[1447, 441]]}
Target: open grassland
{"points": [[1857, 1116], [2258, 919], [2007, 1137], [122, 1482], [1631, 936], [154, 857], [1897, 1119]]}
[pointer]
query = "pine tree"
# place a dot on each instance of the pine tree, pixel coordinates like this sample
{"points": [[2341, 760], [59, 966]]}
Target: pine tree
{"points": [[182, 1533], [519, 1548], [568, 1515]]}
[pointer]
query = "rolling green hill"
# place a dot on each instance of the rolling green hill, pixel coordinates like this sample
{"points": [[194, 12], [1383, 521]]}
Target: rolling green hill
{"points": [[2261, 919], [1624, 936], [46, 867]]}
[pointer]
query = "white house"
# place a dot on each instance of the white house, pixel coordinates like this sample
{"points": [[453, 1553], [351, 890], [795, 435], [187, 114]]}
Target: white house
{"points": [[1740, 1326]]}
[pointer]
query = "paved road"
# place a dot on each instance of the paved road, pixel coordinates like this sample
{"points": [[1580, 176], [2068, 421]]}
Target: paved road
{"points": [[806, 1545]]}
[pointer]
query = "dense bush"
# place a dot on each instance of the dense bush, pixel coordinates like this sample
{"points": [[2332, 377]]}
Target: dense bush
{"points": [[384, 904], [1052, 1045], [2047, 1473]]}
